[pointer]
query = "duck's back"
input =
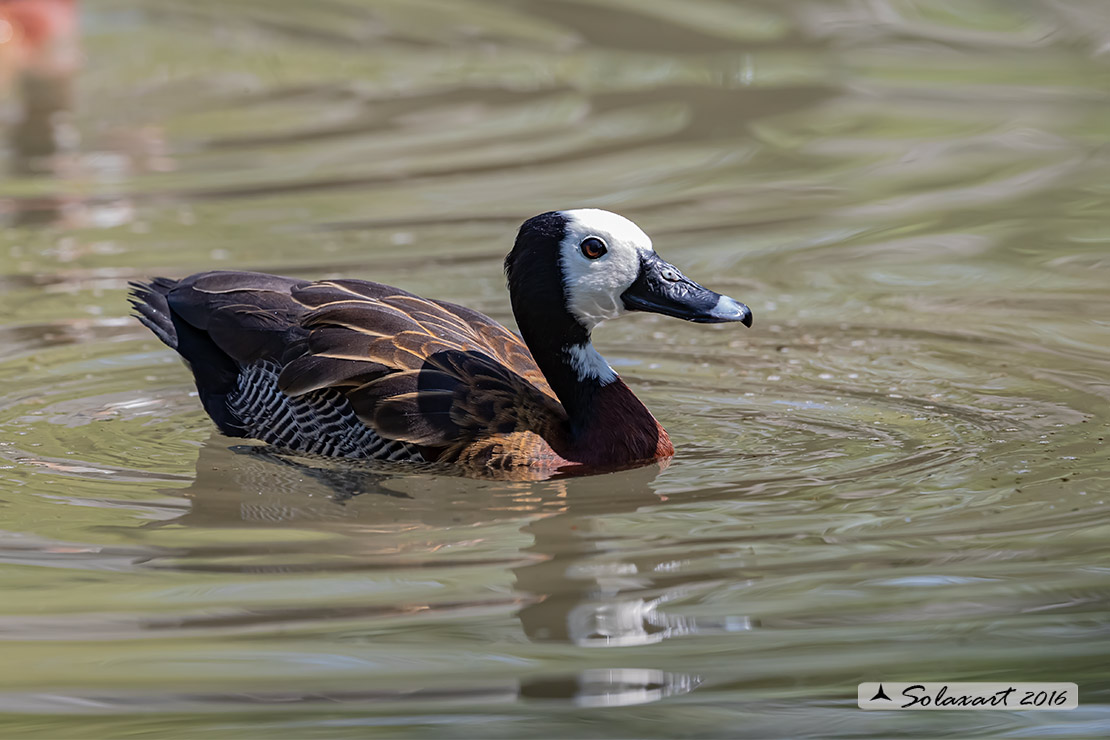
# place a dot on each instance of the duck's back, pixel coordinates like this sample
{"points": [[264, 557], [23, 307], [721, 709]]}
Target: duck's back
{"points": [[350, 368]]}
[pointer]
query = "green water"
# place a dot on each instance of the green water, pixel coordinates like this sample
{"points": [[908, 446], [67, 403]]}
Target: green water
{"points": [[901, 472]]}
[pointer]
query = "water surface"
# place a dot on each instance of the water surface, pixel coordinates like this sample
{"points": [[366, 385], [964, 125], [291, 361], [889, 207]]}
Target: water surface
{"points": [[901, 472]]}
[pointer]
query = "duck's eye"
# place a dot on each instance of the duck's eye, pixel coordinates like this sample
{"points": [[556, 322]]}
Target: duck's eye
{"points": [[593, 248]]}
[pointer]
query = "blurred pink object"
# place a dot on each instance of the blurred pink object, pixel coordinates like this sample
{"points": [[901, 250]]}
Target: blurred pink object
{"points": [[38, 34]]}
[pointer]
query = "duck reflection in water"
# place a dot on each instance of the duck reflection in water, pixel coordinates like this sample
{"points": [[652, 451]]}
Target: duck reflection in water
{"points": [[571, 586]]}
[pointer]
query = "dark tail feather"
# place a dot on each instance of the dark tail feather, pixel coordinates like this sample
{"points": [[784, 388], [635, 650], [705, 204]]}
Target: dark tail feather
{"points": [[151, 308], [215, 372]]}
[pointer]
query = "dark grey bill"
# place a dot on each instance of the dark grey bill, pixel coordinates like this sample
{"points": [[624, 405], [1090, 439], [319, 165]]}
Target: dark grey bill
{"points": [[661, 288]]}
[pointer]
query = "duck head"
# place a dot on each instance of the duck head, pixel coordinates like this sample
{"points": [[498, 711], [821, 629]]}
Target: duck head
{"points": [[596, 265], [570, 270]]}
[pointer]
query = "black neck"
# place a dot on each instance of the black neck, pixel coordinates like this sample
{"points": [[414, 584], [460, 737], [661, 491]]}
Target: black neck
{"points": [[550, 343]]}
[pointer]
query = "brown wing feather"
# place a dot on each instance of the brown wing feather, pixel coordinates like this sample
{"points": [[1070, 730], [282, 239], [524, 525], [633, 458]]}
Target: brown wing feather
{"points": [[250, 316], [421, 371], [457, 397]]}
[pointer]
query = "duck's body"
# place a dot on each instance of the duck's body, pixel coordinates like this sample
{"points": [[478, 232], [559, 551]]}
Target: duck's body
{"points": [[350, 368]]}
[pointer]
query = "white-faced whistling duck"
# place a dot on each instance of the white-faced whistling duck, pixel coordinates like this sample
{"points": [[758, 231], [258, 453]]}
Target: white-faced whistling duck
{"points": [[350, 368]]}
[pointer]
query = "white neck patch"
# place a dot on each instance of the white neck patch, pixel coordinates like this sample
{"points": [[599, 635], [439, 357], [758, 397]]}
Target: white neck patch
{"points": [[589, 364], [594, 287]]}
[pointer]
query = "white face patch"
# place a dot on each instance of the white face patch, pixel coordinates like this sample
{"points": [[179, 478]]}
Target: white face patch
{"points": [[594, 287]]}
